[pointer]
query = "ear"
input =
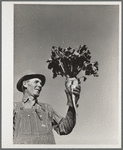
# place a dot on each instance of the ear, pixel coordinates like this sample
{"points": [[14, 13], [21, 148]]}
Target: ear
{"points": [[25, 84]]}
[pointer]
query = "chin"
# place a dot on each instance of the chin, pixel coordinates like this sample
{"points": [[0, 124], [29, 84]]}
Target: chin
{"points": [[36, 95]]}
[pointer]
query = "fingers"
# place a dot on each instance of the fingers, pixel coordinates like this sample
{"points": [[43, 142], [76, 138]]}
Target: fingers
{"points": [[77, 90]]}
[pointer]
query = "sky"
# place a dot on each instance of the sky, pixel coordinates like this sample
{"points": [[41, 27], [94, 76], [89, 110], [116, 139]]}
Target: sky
{"points": [[39, 27]]}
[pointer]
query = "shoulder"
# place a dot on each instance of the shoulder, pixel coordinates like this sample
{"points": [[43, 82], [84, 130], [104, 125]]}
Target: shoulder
{"points": [[17, 105]]}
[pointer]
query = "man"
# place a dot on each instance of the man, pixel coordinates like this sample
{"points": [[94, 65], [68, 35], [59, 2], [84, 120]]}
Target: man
{"points": [[33, 121]]}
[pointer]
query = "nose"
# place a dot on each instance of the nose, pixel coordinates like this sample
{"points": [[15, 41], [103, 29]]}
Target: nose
{"points": [[39, 85]]}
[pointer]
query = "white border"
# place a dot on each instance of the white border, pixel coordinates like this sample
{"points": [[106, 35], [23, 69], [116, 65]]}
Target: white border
{"points": [[68, 2], [120, 71], [7, 75]]}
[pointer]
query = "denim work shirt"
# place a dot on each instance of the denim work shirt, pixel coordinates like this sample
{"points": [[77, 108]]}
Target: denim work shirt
{"points": [[34, 126]]}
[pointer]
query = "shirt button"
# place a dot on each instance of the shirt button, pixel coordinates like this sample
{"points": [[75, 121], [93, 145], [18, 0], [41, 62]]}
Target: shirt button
{"points": [[43, 125]]}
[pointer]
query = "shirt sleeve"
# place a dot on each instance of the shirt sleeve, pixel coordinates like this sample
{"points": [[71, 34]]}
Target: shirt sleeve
{"points": [[16, 107], [64, 125], [14, 118]]}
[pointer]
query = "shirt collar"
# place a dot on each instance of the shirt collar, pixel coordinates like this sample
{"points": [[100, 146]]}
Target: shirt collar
{"points": [[26, 99]]}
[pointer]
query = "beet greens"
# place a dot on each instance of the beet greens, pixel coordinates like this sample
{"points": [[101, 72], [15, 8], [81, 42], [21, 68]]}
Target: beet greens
{"points": [[69, 62]]}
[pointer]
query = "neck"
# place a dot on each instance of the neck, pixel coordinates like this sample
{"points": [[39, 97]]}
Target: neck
{"points": [[27, 95], [28, 100]]}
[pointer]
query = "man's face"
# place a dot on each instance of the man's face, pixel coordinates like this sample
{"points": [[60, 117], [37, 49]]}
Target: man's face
{"points": [[34, 87]]}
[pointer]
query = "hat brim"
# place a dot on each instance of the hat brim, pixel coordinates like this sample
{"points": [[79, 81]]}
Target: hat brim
{"points": [[31, 76]]}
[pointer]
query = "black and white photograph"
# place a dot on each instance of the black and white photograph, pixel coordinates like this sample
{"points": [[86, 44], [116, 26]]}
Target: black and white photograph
{"points": [[61, 74]]}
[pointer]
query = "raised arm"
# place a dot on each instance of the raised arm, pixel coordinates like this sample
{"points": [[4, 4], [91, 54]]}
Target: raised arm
{"points": [[64, 125]]}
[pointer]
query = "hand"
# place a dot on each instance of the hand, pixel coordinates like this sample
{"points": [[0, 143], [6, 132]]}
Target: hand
{"points": [[71, 83], [72, 87], [76, 92]]}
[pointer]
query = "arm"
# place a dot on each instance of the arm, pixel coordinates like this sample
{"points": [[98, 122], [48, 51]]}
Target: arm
{"points": [[64, 126], [14, 119], [15, 108]]}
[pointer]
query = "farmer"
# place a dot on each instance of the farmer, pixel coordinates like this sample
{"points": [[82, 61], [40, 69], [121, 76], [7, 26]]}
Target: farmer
{"points": [[33, 121]]}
